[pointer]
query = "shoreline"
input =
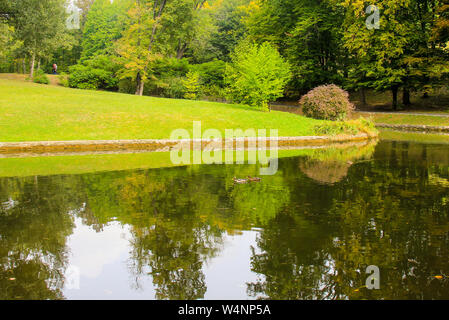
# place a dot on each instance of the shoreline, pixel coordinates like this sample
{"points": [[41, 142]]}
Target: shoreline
{"points": [[413, 127], [165, 145]]}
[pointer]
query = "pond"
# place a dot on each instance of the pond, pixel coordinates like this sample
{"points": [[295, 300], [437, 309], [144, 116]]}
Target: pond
{"points": [[308, 232]]}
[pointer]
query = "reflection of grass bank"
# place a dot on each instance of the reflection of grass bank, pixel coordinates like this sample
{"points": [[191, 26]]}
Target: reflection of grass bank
{"points": [[77, 164], [329, 166], [344, 154]]}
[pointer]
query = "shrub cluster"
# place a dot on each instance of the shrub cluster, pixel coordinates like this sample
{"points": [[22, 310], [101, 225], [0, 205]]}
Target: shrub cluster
{"points": [[97, 73], [40, 77], [328, 102], [63, 79], [85, 77]]}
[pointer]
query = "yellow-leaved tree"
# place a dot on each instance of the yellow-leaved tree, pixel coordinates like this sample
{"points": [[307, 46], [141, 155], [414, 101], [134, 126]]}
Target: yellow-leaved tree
{"points": [[136, 46]]}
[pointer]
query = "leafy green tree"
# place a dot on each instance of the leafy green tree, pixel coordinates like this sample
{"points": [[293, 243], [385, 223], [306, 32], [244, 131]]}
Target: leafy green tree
{"points": [[229, 30], [257, 75], [40, 26], [308, 35], [400, 53], [104, 24], [137, 46]]}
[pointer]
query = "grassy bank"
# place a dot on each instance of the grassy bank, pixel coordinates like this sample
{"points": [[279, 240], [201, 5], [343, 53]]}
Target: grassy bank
{"points": [[32, 112]]}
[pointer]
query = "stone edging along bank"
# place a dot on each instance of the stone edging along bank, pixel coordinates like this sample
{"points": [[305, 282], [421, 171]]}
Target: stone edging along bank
{"points": [[411, 127], [167, 145]]}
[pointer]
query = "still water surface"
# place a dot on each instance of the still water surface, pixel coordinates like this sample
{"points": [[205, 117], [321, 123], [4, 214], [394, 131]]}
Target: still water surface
{"points": [[308, 232]]}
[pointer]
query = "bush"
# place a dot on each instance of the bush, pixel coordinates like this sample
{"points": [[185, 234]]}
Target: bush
{"points": [[40, 77], [211, 73], [63, 80], [212, 93], [257, 75], [167, 87], [191, 85], [86, 77], [166, 79], [328, 102], [96, 73]]}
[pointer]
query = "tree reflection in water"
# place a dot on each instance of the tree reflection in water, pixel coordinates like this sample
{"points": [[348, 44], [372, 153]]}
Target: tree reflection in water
{"points": [[323, 218]]}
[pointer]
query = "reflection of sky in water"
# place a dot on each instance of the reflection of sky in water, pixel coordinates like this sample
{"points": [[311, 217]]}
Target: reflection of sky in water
{"points": [[102, 259], [175, 233]]}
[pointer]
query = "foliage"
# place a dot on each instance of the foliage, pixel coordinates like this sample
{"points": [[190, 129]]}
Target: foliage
{"points": [[328, 102], [401, 53], [7, 46], [229, 29], [307, 33], [105, 22], [63, 79], [168, 87], [40, 26], [191, 85], [40, 77], [167, 78], [211, 73], [85, 77], [96, 73], [257, 75], [350, 127]]}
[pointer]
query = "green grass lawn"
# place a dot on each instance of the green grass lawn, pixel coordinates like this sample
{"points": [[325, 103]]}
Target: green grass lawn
{"points": [[32, 112]]}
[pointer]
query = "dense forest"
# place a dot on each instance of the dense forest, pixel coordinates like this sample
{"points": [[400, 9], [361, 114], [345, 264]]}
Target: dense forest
{"points": [[200, 49]]}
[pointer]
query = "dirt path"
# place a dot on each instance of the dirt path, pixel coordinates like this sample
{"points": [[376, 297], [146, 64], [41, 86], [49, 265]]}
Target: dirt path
{"points": [[54, 79]]}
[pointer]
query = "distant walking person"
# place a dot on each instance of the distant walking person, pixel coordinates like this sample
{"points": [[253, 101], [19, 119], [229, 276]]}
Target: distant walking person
{"points": [[55, 68]]}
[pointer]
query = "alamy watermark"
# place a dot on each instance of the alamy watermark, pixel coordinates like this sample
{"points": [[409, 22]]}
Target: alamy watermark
{"points": [[73, 18], [373, 20], [373, 280], [250, 146]]}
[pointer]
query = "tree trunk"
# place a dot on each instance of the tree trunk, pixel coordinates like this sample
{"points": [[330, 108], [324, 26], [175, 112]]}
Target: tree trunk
{"points": [[181, 50], [24, 67], [33, 61], [394, 90], [362, 96], [138, 81], [139, 86], [406, 97], [39, 64]]}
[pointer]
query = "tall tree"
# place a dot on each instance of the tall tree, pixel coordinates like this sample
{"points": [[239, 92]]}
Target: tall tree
{"points": [[398, 54], [307, 33], [137, 45], [40, 25], [105, 22]]}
